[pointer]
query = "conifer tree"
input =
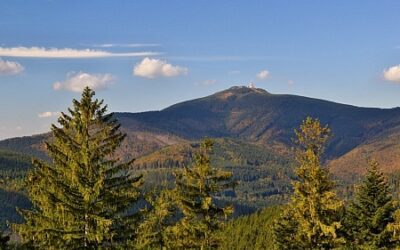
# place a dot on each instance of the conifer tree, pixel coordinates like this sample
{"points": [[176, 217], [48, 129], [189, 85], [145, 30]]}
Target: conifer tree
{"points": [[81, 199], [368, 216], [285, 230], [153, 231], [315, 206], [195, 192]]}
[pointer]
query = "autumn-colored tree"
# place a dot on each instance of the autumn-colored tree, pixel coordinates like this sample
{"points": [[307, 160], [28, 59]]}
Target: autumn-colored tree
{"points": [[314, 208]]}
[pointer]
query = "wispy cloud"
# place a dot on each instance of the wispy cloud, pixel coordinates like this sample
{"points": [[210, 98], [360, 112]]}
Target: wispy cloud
{"points": [[126, 45], [41, 52], [153, 68], [392, 74], [10, 68], [262, 75], [76, 82], [48, 114], [208, 82]]}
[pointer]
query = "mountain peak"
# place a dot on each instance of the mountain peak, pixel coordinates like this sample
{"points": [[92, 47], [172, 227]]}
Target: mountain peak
{"points": [[241, 91]]}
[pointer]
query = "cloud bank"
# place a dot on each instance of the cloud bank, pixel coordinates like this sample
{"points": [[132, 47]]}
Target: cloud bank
{"points": [[10, 68], [40, 52], [76, 82], [262, 75], [153, 68], [392, 74]]}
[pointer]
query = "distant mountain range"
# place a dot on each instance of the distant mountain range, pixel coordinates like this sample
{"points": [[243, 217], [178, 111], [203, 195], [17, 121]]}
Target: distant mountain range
{"points": [[256, 116]]}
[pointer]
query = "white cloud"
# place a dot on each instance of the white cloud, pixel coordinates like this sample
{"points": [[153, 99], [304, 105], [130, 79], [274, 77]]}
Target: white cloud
{"points": [[262, 75], [392, 74], [152, 68], [40, 52], [126, 45], [10, 68], [208, 82], [48, 114], [76, 82]]}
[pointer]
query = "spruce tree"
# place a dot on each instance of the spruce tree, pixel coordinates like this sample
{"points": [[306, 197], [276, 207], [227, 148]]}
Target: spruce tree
{"points": [[81, 199], [196, 188], [368, 216], [156, 221], [315, 208], [285, 230]]}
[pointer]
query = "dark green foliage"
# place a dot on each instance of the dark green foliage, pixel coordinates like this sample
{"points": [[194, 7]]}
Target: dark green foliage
{"points": [[81, 199], [13, 168], [251, 232], [8, 202], [4, 239], [285, 230], [195, 193], [372, 209]]}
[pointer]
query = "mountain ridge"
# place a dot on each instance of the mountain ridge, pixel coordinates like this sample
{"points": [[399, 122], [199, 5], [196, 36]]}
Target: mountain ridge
{"points": [[244, 113]]}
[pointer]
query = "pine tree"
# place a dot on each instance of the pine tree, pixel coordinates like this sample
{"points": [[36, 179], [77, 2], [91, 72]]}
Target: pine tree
{"points": [[195, 192], [315, 206], [153, 230], [370, 213], [81, 199]]}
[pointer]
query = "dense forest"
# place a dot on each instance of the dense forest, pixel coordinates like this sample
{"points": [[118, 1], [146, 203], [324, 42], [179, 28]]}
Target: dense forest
{"points": [[81, 197]]}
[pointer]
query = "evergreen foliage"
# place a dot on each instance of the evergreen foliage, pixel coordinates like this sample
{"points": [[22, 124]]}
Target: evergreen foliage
{"points": [[250, 231], [81, 199], [370, 213], [153, 231], [4, 239], [314, 206], [285, 230], [196, 188]]}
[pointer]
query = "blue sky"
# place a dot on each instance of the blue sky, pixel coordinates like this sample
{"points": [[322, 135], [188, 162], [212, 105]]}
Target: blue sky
{"points": [[147, 55]]}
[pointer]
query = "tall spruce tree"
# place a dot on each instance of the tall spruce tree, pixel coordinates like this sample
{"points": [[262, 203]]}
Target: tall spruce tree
{"points": [[368, 216], [196, 188], [81, 199], [315, 208]]}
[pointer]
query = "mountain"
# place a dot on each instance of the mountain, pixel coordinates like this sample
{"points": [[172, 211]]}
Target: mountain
{"points": [[258, 116], [248, 114]]}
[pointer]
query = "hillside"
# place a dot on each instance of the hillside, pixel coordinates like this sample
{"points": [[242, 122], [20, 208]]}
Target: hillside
{"points": [[248, 114], [256, 115], [384, 148]]}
